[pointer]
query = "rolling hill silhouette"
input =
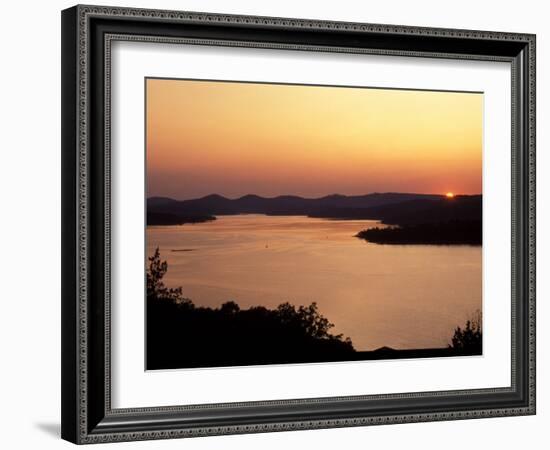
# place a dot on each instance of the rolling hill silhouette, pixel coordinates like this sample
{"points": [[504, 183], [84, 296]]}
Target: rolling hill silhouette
{"points": [[390, 208]]}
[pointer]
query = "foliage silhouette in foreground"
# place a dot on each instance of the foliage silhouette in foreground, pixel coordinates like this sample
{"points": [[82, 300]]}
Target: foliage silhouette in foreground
{"points": [[181, 334], [155, 286], [468, 340]]}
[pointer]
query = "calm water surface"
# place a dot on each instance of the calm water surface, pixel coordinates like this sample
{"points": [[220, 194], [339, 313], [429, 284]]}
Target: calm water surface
{"points": [[400, 296]]}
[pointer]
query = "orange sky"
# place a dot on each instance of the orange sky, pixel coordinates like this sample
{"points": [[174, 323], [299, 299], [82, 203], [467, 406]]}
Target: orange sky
{"points": [[234, 139]]}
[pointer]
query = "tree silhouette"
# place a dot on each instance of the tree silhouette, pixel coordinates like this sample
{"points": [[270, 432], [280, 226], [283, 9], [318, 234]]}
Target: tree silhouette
{"points": [[468, 340], [181, 334], [156, 289], [309, 319]]}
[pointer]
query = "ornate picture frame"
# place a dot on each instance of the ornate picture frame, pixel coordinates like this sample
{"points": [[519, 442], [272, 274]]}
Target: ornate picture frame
{"points": [[88, 33]]}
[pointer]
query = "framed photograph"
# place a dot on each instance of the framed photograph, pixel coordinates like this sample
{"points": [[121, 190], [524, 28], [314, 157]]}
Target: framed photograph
{"points": [[278, 224]]}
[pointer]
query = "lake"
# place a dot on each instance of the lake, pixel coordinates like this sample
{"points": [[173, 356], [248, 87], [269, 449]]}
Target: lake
{"points": [[400, 296]]}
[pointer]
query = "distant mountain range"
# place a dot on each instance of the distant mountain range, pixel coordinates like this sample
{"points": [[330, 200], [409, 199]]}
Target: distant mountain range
{"points": [[391, 208]]}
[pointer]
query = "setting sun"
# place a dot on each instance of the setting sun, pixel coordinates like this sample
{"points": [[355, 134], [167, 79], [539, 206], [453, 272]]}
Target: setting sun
{"points": [[237, 138], [449, 195]]}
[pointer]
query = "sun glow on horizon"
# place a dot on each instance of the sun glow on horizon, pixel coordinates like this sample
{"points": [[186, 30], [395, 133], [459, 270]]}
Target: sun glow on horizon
{"points": [[449, 195], [237, 138]]}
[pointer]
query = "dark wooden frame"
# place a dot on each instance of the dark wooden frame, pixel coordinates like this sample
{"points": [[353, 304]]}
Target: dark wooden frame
{"points": [[87, 31]]}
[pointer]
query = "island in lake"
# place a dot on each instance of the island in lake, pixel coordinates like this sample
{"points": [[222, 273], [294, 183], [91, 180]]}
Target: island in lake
{"points": [[454, 232]]}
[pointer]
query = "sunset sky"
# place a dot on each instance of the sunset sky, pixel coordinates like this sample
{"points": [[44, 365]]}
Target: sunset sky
{"points": [[235, 139]]}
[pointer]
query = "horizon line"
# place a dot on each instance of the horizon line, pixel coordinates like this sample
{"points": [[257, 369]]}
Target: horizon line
{"points": [[308, 198]]}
